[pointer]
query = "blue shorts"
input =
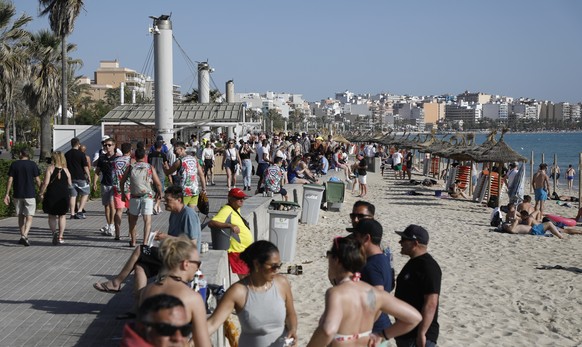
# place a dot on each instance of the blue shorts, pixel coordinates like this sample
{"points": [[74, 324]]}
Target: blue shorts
{"points": [[538, 230], [540, 194]]}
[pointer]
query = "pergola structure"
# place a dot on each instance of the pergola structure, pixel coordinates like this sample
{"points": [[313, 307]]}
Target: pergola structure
{"points": [[136, 122]]}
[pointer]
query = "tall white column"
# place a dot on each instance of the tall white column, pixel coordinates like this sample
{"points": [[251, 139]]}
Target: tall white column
{"points": [[163, 71]]}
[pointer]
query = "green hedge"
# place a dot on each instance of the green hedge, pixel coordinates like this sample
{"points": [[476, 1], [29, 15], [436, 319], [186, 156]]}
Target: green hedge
{"points": [[5, 211]]}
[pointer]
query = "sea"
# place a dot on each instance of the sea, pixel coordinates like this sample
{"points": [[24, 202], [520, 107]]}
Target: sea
{"points": [[567, 147]]}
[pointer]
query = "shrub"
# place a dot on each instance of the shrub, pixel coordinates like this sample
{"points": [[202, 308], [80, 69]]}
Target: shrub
{"points": [[15, 150]]}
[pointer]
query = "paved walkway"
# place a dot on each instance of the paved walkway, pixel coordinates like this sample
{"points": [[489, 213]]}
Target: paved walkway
{"points": [[47, 294]]}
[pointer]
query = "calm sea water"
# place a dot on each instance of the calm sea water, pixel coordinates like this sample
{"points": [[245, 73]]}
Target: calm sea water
{"points": [[567, 147]]}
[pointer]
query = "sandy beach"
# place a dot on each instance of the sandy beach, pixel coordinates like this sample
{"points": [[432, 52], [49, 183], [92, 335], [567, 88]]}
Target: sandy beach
{"points": [[492, 292]]}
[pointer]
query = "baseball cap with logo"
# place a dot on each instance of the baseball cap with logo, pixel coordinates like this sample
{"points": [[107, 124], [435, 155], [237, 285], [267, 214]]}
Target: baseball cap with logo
{"points": [[414, 232]]}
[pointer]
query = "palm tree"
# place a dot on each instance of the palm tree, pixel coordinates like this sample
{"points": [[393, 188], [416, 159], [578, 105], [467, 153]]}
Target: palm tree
{"points": [[62, 16], [12, 59], [42, 92], [193, 96]]}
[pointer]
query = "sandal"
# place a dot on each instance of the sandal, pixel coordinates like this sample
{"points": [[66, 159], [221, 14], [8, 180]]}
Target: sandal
{"points": [[102, 287]]}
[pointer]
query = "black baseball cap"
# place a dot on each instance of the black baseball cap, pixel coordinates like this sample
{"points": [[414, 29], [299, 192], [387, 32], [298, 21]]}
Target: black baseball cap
{"points": [[368, 226], [414, 232]]}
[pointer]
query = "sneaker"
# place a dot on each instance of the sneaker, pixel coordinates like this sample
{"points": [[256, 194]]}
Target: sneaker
{"points": [[110, 231], [24, 241], [80, 215], [61, 241], [104, 228], [74, 216]]}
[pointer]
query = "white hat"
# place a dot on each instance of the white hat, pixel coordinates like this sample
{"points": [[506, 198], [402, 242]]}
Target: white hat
{"points": [[105, 138]]}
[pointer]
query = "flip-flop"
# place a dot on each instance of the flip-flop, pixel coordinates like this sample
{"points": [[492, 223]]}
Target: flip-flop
{"points": [[102, 287]]}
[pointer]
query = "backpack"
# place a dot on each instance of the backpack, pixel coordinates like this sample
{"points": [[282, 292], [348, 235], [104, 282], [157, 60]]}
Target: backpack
{"points": [[496, 217], [141, 179], [203, 205]]}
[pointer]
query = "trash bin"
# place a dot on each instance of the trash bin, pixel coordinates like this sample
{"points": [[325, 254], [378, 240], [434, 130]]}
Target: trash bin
{"points": [[334, 195], [283, 232], [371, 162], [312, 195], [220, 239]]}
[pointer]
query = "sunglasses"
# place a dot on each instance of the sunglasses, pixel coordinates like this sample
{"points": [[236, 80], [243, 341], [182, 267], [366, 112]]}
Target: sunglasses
{"points": [[360, 215], [164, 329], [274, 267], [197, 262]]}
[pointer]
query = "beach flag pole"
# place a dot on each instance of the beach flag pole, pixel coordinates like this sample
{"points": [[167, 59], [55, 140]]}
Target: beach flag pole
{"points": [[531, 172]]}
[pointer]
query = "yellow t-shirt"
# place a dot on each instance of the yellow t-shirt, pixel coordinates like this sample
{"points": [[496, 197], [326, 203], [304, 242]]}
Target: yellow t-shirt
{"points": [[228, 215]]}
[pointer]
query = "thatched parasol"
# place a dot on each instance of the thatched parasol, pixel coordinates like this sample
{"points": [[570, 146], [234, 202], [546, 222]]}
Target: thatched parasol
{"points": [[340, 139], [500, 153]]}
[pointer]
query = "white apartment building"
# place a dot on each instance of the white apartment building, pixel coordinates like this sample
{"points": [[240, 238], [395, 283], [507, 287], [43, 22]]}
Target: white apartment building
{"points": [[497, 111]]}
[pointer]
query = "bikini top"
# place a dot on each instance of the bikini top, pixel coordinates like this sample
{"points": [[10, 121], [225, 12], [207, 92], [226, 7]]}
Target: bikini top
{"points": [[341, 337]]}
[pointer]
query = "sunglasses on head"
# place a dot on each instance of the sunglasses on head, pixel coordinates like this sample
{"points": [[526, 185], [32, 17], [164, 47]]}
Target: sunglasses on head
{"points": [[164, 329]]}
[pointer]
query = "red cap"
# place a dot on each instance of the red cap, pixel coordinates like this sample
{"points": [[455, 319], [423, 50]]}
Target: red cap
{"points": [[237, 193]]}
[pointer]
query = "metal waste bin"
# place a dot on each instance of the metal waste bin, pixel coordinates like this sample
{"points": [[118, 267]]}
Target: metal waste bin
{"points": [[220, 239], [334, 195], [312, 195], [283, 232]]}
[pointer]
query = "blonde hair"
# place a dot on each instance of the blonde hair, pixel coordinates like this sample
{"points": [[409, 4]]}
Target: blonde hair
{"points": [[58, 159], [175, 250]]}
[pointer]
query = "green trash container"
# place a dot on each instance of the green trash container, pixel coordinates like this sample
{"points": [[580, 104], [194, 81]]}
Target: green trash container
{"points": [[334, 195], [312, 196], [220, 239]]}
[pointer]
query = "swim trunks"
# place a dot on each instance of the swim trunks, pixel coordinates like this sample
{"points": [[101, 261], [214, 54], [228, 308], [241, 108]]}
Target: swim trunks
{"points": [[538, 230], [540, 194], [570, 178]]}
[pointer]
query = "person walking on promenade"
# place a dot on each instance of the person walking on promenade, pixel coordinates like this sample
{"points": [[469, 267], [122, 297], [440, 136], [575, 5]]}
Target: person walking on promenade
{"points": [[229, 217], [120, 165], [209, 161], [145, 260], [570, 173], [78, 166], [158, 160], [54, 193], [541, 187], [161, 321], [104, 166], [180, 262], [245, 154], [419, 284], [189, 174], [23, 174], [351, 305], [141, 177], [378, 270], [263, 301], [230, 161], [397, 164]]}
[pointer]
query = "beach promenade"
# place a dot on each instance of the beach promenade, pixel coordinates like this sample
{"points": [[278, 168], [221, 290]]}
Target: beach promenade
{"points": [[47, 297]]}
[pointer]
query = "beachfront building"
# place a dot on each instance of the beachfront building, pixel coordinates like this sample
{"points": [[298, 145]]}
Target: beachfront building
{"points": [[476, 98], [496, 111], [434, 113], [465, 112]]}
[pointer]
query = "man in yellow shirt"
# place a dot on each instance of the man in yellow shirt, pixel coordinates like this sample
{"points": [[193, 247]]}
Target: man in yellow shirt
{"points": [[241, 237]]}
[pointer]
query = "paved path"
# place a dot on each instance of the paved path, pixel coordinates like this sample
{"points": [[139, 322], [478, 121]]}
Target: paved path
{"points": [[47, 298]]}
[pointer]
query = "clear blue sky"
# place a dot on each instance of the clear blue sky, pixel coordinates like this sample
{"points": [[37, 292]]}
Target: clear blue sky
{"points": [[518, 48]]}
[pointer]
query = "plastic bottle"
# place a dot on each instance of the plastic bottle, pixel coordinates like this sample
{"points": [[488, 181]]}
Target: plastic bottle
{"points": [[202, 287], [195, 283]]}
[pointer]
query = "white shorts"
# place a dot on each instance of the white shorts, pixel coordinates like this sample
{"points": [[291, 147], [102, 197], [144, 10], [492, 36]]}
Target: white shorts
{"points": [[26, 207], [362, 179], [143, 205]]}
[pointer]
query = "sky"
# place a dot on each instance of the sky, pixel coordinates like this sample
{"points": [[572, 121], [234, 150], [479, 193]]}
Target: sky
{"points": [[517, 48]]}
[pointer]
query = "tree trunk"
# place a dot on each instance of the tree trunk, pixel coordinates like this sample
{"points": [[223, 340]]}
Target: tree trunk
{"points": [[64, 102], [6, 129], [45, 135]]}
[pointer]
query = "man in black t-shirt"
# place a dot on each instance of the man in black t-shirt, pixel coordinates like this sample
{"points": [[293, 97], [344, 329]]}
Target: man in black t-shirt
{"points": [[80, 177], [104, 166], [362, 173], [24, 174], [419, 284]]}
